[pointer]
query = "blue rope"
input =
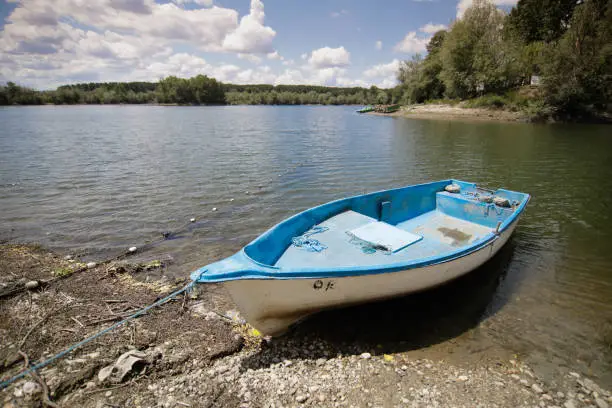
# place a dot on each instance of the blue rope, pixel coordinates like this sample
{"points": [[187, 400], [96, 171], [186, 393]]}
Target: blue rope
{"points": [[310, 244], [61, 354]]}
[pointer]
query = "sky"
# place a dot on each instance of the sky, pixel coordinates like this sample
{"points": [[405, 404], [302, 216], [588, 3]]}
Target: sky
{"points": [[46, 43]]}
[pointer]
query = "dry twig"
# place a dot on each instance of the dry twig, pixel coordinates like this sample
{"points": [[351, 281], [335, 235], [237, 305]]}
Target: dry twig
{"points": [[46, 400]]}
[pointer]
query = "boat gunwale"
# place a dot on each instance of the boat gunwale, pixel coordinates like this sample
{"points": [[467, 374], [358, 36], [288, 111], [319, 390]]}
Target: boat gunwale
{"points": [[257, 270]]}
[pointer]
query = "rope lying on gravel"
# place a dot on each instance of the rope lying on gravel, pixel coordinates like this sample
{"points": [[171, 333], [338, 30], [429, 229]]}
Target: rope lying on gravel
{"points": [[165, 236], [61, 354]]}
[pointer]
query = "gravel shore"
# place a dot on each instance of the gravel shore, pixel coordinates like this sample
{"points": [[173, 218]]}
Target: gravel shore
{"points": [[454, 112], [185, 354]]}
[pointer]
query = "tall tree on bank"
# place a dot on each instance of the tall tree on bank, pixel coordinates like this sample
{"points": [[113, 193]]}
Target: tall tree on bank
{"points": [[475, 58], [577, 70], [540, 20], [420, 78]]}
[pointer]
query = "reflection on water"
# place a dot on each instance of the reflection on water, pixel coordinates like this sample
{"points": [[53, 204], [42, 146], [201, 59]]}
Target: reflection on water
{"points": [[94, 180]]}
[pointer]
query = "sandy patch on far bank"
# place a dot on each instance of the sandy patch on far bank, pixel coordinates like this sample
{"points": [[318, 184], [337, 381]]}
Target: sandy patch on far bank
{"points": [[449, 112]]}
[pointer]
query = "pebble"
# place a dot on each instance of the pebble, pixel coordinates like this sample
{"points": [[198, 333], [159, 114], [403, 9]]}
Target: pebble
{"points": [[404, 368], [537, 388], [31, 387], [569, 404], [91, 265], [573, 374], [31, 285], [601, 403], [192, 220], [214, 209], [462, 378], [108, 393], [68, 257], [560, 394], [301, 398], [365, 355], [132, 249], [231, 199]]}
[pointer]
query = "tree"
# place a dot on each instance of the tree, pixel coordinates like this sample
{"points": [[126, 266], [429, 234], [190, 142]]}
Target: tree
{"points": [[577, 72], [474, 56], [540, 20]]}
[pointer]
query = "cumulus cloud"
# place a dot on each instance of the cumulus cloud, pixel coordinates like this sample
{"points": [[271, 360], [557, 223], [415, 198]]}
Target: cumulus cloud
{"points": [[382, 70], [275, 56], [204, 3], [465, 4], [70, 40], [251, 35], [412, 44], [327, 57], [250, 57], [383, 75], [431, 28], [379, 45]]}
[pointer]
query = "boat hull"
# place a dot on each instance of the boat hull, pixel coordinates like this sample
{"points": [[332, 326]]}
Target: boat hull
{"points": [[273, 305]]}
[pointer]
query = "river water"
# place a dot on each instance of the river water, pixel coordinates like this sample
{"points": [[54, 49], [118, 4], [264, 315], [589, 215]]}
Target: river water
{"points": [[94, 180]]}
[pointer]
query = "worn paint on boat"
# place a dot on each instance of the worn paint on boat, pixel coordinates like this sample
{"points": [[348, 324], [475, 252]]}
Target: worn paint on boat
{"points": [[276, 283]]}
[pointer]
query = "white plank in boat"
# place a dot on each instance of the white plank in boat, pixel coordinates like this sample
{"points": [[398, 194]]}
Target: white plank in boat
{"points": [[381, 234]]}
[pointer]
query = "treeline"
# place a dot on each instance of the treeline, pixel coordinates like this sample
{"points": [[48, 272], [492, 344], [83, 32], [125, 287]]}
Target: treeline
{"points": [[547, 57], [195, 91], [305, 94]]}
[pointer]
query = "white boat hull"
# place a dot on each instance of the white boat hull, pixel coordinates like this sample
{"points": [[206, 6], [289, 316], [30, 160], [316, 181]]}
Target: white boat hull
{"points": [[272, 305]]}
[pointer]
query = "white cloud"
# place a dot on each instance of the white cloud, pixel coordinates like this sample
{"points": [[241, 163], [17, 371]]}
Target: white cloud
{"points": [[412, 44], [204, 3], [275, 56], [382, 70], [335, 14], [250, 57], [379, 45], [251, 35], [383, 75], [327, 57], [465, 4], [431, 28]]}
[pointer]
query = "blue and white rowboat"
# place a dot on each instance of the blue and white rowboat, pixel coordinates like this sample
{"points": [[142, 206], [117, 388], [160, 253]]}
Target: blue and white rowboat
{"points": [[365, 248]]}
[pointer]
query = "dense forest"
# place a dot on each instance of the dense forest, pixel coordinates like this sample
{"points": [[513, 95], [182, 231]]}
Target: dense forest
{"points": [[547, 58], [193, 91]]}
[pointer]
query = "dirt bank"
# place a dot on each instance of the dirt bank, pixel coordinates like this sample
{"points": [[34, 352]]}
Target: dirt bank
{"points": [[455, 112], [184, 354]]}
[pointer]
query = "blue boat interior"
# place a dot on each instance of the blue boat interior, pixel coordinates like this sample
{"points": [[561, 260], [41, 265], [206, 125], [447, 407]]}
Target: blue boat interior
{"points": [[319, 240]]}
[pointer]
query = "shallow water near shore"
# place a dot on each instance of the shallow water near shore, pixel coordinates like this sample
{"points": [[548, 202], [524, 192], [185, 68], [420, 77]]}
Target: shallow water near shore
{"points": [[94, 180]]}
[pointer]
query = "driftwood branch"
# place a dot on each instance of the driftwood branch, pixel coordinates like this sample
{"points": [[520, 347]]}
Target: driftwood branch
{"points": [[46, 400]]}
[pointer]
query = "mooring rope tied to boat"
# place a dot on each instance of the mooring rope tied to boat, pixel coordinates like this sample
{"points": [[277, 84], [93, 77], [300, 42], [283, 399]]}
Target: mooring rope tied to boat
{"points": [[310, 244], [75, 346]]}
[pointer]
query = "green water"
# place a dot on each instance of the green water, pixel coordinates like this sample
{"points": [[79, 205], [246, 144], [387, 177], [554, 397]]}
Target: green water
{"points": [[94, 180]]}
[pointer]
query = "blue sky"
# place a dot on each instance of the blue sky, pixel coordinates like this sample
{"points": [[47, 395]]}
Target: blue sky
{"points": [[336, 42]]}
